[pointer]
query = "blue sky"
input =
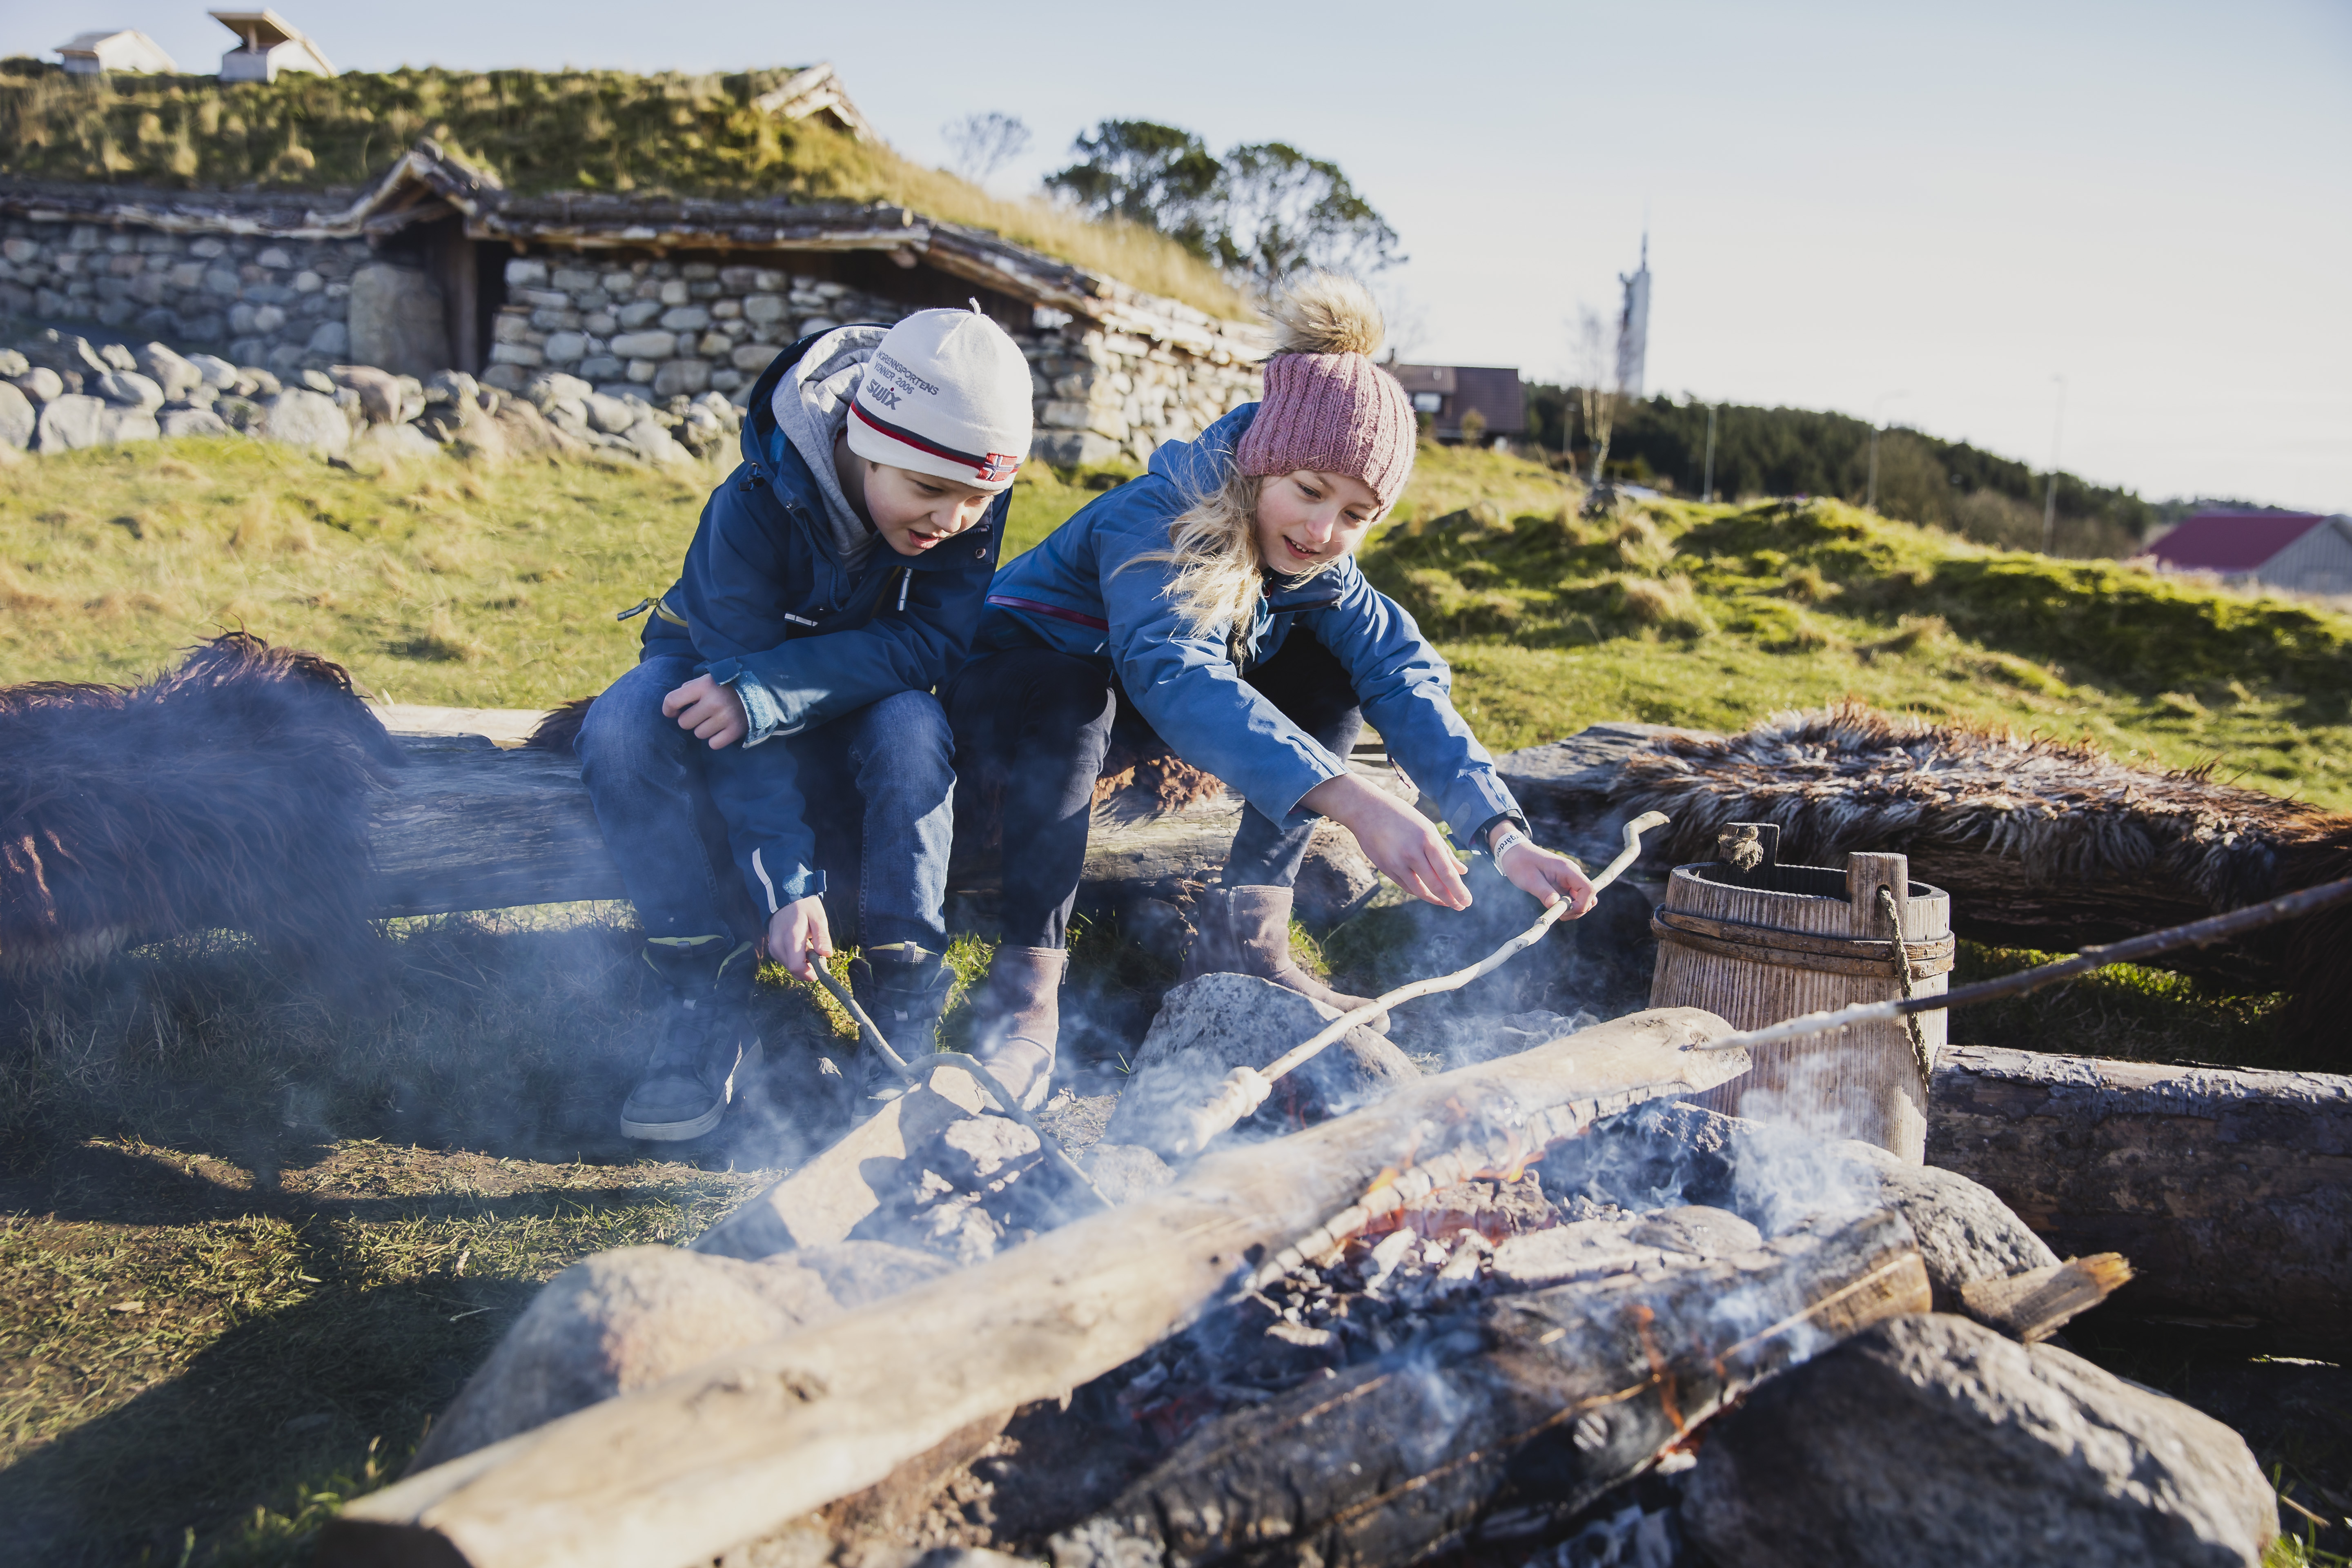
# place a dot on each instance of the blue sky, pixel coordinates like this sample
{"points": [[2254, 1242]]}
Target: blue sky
{"points": [[1845, 203]]}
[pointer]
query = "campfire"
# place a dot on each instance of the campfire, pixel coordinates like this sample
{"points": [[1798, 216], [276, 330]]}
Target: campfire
{"points": [[1535, 1310]]}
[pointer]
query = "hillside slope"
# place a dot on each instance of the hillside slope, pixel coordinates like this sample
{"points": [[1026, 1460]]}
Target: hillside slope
{"points": [[1678, 613]]}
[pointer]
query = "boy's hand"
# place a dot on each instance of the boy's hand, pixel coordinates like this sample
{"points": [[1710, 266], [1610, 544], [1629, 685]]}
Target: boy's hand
{"points": [[1546, 876], [711, 710], [797, 936]]}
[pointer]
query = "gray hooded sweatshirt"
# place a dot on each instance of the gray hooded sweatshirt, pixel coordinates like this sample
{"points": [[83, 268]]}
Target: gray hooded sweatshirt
{"points": [[812, 406]]}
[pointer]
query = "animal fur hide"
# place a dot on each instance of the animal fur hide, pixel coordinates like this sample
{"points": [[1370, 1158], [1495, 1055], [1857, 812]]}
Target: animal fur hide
{"points": [[2040, 843], [225, 795]]}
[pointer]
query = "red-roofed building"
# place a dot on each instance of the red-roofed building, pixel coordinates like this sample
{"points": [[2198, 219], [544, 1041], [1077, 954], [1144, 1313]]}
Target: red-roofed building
{"points": [[2300, 552]]}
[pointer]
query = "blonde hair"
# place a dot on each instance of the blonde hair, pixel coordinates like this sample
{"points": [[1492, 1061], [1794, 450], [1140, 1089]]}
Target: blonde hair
{"points": [[1213, 544]]}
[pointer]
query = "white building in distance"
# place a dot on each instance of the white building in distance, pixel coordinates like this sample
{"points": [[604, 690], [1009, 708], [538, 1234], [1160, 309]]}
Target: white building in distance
{"points": [[113, 50], [270, 44]]}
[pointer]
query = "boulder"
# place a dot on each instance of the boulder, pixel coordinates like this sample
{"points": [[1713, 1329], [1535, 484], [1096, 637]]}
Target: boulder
{"points": [[18, 419], [380, 391], [1206, 1027], [177, 422], [301, 418], [554, 386], [178, 377], [621, 1320], [72, 421], [610, 415], [218, 374], [129, 389], [117, 357], [12, 365], [1966, 1234], [116, 426], [650, 440], [452, 387], [40, 384], [397, 320], [66, 353], [1933, 1439]]}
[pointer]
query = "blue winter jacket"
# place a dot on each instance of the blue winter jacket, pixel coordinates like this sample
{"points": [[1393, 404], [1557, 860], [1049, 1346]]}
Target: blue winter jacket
{"points": [[1084, 591], [764, 604]]}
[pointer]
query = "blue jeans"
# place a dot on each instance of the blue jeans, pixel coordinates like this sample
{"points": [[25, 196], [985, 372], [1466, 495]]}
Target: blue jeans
{"points": [[879, 791]]}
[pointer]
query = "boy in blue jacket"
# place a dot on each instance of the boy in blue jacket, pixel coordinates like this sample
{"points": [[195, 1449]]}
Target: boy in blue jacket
{"points": [[784, 691]]}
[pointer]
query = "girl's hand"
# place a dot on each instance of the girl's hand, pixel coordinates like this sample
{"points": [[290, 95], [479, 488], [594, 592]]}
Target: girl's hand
{"points": [[711, 710], [798, 936], [1404, 845], [1546, 876]]}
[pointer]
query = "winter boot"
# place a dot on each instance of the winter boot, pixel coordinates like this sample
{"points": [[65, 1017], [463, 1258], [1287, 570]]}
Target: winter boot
{"points": [[1021, 1020], [1247, 930], [708, 1044], [904, 989]]}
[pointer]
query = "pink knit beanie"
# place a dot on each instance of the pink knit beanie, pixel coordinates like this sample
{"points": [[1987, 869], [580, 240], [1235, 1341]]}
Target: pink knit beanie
{"points": [[1326, 406]]}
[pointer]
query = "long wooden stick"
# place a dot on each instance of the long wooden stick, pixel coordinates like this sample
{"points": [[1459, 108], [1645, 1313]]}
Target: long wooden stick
{"points": [[2196, 934], [1245, 1088]]}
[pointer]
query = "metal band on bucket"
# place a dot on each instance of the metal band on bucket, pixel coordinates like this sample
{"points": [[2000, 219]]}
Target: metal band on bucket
{"points": [[1799, 949]]}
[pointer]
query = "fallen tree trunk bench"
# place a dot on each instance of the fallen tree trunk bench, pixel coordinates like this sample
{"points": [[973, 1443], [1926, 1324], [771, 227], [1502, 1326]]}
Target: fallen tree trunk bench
{"points": [[468, 825]]}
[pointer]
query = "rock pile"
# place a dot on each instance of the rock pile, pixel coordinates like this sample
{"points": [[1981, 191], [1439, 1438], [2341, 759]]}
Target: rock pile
{"points": [[59, 392]]}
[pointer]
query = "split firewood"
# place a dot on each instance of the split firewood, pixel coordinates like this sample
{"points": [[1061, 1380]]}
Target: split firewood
{"points": [[1543, 1401], [2034, 1304], [760, 1436]]}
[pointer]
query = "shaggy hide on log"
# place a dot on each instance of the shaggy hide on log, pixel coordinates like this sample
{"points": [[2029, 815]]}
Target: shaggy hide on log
{"points": [[225, 795], [2041, 842]]}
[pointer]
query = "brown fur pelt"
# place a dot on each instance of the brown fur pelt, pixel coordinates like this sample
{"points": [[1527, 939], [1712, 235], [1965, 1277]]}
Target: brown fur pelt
{"points": [[2041, 842], [228, 793], [1159, 783], [560, 727]]}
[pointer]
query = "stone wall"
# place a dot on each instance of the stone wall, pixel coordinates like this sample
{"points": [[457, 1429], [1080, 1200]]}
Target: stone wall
{"points": [[283, 305], [653, 328], [658, 328]]}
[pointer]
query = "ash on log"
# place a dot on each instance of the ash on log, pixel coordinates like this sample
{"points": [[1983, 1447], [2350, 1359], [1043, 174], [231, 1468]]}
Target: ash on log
{"points": [[757, 1438], [1541, 1401]]}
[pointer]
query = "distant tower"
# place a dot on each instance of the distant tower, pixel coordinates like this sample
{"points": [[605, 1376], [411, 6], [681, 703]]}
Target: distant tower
{"points": [[1633, 325]]}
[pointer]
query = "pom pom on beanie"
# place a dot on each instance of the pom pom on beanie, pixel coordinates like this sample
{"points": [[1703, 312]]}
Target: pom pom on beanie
{"points": [[1328, 407]]}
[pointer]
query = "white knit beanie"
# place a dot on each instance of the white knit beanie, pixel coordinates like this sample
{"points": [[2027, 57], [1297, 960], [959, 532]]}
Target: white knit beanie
{"points": [[947, 393]]}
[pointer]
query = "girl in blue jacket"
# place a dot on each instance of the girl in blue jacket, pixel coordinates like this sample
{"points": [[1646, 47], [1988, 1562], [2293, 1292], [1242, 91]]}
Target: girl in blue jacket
{"points": [[1217, 601]]}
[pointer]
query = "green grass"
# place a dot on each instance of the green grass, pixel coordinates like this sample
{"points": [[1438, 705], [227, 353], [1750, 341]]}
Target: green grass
{"points": [[535, 132], [1715, 617]]}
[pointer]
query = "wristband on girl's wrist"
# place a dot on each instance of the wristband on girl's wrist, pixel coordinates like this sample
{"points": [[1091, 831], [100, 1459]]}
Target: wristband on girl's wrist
{"points": [[1515, 835]]}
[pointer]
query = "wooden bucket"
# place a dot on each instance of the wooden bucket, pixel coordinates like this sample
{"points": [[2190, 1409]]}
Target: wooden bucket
{"points": [[1759, 945]]}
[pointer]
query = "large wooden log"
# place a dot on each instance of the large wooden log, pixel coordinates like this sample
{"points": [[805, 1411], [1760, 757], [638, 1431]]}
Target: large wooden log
{"points": [[1543, 1401], [469, 825], [2231, 1192], [758, 1437]]}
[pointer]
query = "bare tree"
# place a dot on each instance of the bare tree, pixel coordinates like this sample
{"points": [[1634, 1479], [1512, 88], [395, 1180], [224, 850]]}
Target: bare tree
{"points": [[983, 144]]}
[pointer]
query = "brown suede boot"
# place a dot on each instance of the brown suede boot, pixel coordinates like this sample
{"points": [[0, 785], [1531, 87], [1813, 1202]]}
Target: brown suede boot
{"points": [[1247, 930], [1021, 1019]]}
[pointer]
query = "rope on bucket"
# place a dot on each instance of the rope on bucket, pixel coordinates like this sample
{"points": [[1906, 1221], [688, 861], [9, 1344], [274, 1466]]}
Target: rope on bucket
{"points": [[1892, 910]]}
